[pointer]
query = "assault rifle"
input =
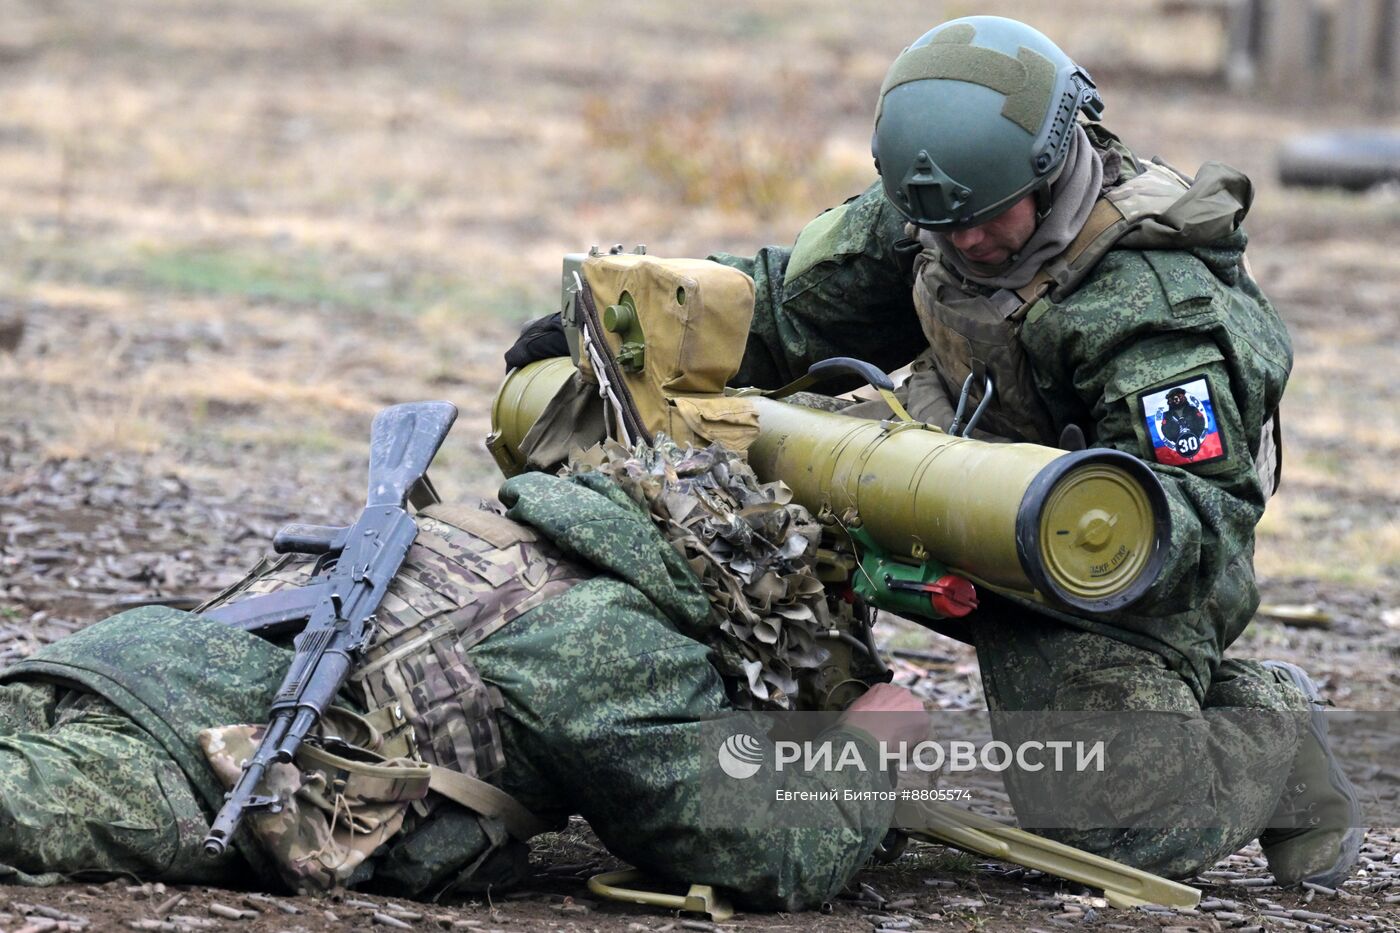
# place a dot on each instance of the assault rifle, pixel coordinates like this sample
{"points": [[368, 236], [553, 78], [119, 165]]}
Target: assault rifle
{"points": [[340, 608]]}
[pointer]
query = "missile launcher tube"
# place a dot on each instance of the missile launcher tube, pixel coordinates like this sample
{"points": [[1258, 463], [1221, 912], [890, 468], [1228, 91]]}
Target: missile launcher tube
{"points": [[1086, 530], [519, 403]]}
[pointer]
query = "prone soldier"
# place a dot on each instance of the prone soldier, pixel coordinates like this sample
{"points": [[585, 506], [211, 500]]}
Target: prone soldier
{"points": [[545, 655]]}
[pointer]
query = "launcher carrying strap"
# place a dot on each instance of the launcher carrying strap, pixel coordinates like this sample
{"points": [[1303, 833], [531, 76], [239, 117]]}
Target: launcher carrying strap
{"points": [[845, 365]]}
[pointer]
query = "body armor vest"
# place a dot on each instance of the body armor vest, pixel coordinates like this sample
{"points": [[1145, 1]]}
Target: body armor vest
{"points": [[975, 337], [469, 572]]}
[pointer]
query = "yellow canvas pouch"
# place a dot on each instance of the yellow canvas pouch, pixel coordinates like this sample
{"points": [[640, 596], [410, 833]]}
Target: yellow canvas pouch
{"points": [[692, 317], [732, 422]]}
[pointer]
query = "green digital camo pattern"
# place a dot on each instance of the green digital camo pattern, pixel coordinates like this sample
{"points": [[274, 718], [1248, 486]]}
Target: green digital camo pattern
{"points": [[176, 675], [604, 703], [154, 664], [86, 792], [585, 740], [1139, 322], [847, 295], [593, 521], [452, 851], [614, 749], [1199, 783]]}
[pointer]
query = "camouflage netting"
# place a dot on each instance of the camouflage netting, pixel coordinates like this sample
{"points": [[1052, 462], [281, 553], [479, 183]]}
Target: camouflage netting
{"points": [[753, 550], [818, 401]]}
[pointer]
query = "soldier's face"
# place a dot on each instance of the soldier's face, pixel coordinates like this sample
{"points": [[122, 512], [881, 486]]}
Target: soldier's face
{"points": [[997, 240]]}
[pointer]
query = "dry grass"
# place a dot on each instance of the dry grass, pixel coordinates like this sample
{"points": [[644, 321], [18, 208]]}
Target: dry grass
{"points": [[710, 152], [98, 426], [1312, 538]]}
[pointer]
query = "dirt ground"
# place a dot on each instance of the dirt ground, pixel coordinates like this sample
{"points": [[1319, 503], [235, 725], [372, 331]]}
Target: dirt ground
{"points": [[229, 233]]}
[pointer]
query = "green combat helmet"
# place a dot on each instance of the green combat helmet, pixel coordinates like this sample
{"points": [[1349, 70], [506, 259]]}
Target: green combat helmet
{"points": [[972, 117]]}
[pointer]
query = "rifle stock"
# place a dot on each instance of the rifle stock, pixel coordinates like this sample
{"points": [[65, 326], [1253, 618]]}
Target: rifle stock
{"points": [[403, 441]]}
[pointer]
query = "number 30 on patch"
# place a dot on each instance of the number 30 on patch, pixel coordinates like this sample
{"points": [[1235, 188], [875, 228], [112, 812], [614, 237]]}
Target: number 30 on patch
{"points": [[1180, 422]]}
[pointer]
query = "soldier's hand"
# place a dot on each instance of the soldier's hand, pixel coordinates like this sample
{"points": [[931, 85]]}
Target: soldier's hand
{"points": [[541, 339], [891, 714]]}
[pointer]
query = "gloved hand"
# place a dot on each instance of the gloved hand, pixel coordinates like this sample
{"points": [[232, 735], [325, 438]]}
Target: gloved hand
{"points": [[542, 338]]}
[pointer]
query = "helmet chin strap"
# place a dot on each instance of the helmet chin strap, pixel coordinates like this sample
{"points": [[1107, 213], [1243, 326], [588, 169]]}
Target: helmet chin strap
{"points": [[1044, 197], [1044, 202]]}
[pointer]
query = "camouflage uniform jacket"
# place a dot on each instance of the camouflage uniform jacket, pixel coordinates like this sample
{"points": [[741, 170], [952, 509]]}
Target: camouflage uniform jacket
{"points": [[1099, 353], [603, 708]]}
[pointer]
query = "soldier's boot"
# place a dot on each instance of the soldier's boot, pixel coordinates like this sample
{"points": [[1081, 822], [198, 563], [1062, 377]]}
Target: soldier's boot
{"points": [[1314, 836]]}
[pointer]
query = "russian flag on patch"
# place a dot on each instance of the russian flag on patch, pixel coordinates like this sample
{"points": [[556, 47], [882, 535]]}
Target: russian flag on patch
{"points": [[1180, 421]]}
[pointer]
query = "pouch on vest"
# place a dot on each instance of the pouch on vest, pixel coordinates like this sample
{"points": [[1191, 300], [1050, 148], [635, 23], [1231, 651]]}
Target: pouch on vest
{"points": [[676, 330], [335, 808], [972, 338]]}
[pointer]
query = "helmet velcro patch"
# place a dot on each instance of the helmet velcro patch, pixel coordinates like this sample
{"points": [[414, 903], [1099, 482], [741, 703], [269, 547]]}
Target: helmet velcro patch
{"points": [[1028, 80]]}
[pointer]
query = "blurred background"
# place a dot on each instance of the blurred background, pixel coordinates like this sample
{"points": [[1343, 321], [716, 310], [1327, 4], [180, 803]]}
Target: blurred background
{"points": [[229, 233]]}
